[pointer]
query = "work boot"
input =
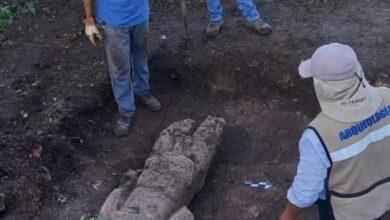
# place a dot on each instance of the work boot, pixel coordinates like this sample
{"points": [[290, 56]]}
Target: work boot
{"points": [[150, 102], [260, 26], [122, 125], [214, 28]]}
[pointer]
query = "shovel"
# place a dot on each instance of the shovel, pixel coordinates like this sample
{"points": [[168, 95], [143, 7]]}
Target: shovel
{"points": [[184, 12]]}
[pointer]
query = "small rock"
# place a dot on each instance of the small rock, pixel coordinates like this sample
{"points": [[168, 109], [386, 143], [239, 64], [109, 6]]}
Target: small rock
{"points": [[254, 64], [254, 211], [37, 151], [56, 187], [2, 202], [45, 173], [61, 198], [8, 44], [163, 41], [24, 114], [2, 38], [163, 37], [97, 185], [35, 83]]}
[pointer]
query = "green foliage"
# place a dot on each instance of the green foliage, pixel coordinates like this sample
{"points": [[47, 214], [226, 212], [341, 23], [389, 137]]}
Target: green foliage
{"points": [[29, 9], [12, 10], [6, 16]]}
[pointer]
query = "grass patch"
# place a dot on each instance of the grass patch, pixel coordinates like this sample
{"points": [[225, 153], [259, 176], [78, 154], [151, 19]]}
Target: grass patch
{"points": [[13, 10]]}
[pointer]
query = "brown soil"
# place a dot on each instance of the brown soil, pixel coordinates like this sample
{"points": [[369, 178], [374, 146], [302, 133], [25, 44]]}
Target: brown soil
{"points": [[55, 93]]}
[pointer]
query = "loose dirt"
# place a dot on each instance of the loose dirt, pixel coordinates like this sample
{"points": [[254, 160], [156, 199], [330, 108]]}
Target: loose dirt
{"points": [[55, 93]]}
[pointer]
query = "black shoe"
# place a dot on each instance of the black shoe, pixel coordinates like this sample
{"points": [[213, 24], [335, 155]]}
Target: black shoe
{"points": [[122, 125], [150, 102]]}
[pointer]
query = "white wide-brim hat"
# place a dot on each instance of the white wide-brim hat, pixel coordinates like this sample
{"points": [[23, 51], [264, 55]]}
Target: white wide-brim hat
{"points": [[340, 85]]}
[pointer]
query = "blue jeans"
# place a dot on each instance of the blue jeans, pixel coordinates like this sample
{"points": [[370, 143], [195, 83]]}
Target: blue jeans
{"points": [[127, 56], [247, 8]]}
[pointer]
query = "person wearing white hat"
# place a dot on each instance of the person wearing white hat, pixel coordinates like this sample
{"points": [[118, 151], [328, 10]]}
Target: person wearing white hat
{"points": [[344, 162]]}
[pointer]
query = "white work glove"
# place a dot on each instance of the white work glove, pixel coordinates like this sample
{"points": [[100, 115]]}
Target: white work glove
{"points": [[92, 31]]}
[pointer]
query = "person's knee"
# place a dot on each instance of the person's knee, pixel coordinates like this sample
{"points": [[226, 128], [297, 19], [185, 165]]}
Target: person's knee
{"points": [[118, 61], [141, 39]]}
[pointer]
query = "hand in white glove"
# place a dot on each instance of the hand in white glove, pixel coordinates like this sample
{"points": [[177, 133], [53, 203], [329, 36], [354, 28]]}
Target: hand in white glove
{"points": [[91, 30]]}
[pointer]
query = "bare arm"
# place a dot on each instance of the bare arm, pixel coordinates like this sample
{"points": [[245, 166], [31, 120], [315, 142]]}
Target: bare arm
{"points": [[291, 212], [88, 8]]}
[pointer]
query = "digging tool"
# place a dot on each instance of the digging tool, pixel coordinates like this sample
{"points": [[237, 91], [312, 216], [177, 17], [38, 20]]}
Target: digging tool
{"points": [[184, 12]]}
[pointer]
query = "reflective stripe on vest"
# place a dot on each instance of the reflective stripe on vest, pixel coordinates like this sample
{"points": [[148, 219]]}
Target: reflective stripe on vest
{"points": [[360, 146]]}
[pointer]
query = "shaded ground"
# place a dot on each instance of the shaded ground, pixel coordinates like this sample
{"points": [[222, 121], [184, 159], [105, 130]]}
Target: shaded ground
{"points": [[55, 93]]}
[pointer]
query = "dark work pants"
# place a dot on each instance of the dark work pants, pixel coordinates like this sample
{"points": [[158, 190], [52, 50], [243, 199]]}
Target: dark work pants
{"points": [[324, 210]]}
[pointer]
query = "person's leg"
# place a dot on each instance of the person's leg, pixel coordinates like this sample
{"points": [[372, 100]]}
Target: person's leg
{"points": [[215, 10], [249, 10], [117, 45], [216, 19], [139, 58], [253, 17]]}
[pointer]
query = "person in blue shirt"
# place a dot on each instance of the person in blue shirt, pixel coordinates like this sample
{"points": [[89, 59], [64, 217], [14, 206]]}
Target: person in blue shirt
{"points": [[124, 27], [247, 8]]}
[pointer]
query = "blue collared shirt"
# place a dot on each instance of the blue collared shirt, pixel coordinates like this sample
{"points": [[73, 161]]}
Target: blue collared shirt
{"points": [[309, 183], [122, 13]]}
